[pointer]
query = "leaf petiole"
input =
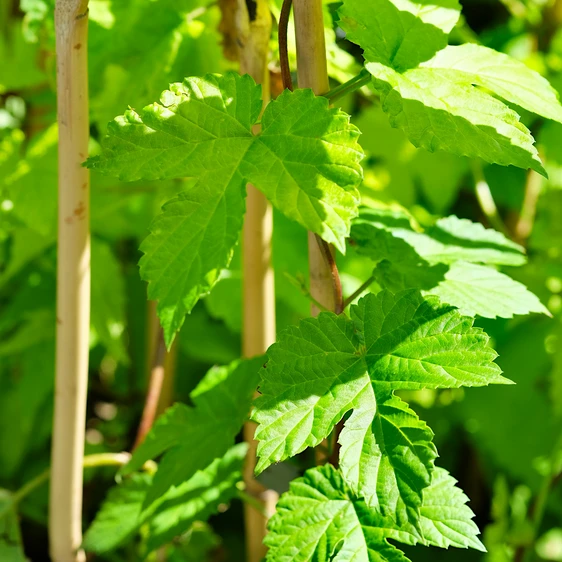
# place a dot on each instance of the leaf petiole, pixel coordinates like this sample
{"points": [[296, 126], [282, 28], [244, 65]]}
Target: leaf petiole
{"points": [[356, 293], [90, 461], [363, 78]]}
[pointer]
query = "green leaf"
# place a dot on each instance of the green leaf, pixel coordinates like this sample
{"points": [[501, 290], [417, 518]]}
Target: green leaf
{"points": [[401, 254], [451, 239], [119, 517], [399, 33], [123, 513], [198, 498], [446, 520], [189, 243], [507, 77], [197, 126], [306, 160], [484, 291], [440, 114], [445, 97], [385, 443], [331, 365], [320, 519], [192, 437]]}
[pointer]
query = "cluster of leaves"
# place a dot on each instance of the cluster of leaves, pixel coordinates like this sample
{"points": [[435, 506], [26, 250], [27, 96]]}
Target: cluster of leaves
{"points": [[359, 378]]}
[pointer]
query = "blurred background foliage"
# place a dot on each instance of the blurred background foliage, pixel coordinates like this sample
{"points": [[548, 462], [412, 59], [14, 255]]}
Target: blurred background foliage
{"points": [[502, 444]]}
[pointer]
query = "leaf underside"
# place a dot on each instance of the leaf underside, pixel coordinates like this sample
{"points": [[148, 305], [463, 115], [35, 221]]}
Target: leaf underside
{"points": [[447, 97]]}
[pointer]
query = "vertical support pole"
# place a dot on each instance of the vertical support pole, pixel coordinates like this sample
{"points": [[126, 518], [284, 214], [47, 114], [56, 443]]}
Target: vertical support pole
{"points": [[312, 72], [253, 31], [73, 282]]}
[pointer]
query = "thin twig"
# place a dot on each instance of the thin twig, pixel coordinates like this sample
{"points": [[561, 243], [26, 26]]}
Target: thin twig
{"points": [[251, 500], [538, 507], [336, 281], [283, 48], [89, 461], [157, 374], [526, 221], [353, 296]]}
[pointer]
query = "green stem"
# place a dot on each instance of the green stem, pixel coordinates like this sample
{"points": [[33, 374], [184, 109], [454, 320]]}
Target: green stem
{"points": [[486, 199], [363, 78], [90, 461], [539, 505], [250, 500], [363, 287]]}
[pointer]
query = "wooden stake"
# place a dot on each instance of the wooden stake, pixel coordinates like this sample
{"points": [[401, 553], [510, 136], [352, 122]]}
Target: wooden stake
{"points": [[312, 72], [73, 283], [253, 31]]}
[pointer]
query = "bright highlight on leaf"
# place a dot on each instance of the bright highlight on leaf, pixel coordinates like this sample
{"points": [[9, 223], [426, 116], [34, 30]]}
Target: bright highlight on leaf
{"points": [[330, 366], [451, 260], [438, 94], [321, 519], [306, 161]]}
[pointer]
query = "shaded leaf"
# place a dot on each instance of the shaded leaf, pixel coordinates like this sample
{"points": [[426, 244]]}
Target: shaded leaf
{"points": [[193, 436]]}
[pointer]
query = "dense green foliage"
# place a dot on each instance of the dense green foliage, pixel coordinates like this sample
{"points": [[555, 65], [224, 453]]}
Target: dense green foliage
{"points": [[442, 207]]}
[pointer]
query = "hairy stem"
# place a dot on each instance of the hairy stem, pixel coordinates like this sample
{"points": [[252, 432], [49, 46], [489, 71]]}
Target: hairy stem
{"points": [[334, 274], [73, 282], [156, 381]]}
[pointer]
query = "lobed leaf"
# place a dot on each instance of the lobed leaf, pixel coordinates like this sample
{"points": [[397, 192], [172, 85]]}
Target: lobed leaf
{"points": [[331, 365], [192, 437], [436, 262], [320, 519], [484, 291], [306, 160], [399, 33], [445, 97], [437, 113], [123, 512]]}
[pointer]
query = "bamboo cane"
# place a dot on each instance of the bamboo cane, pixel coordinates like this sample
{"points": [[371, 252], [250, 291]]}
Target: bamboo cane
{"points": [[73, 283], [312, 72], [253, 30]]}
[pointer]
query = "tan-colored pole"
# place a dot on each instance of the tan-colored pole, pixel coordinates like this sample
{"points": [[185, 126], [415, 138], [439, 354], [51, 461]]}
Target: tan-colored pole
{"points": [[312, 72], [73, 282], [253, 31]]}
